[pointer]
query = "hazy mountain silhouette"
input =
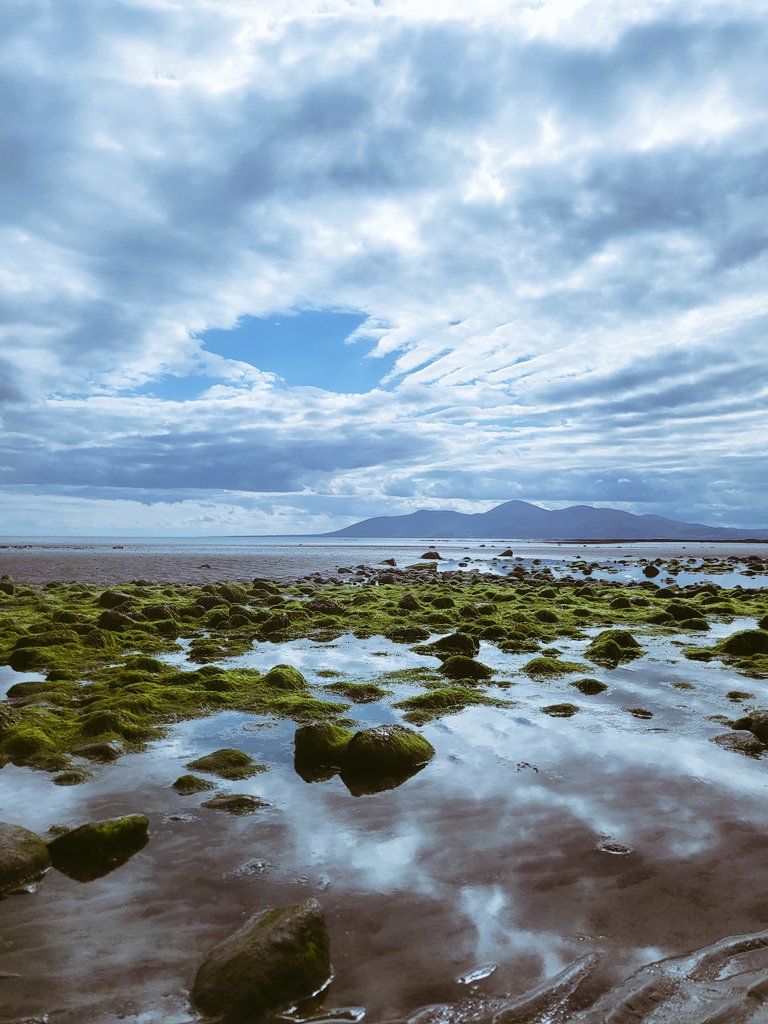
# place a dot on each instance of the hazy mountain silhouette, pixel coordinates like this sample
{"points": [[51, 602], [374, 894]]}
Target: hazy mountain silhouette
{"points": [[522, 521]]}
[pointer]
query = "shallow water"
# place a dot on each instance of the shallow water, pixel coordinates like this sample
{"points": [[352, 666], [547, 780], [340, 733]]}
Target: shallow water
{"points": [[183, 560], [527, 842]]}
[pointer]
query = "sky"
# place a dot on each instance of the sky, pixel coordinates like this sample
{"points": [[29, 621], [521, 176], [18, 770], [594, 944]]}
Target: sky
{"points": [[276, 267]]}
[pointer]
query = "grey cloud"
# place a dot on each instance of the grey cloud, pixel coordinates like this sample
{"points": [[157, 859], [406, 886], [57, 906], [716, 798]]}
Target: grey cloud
{"points": [[246, 460]]}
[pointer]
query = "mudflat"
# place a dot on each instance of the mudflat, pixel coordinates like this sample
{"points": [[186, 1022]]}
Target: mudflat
{"points": [[505, 792]]}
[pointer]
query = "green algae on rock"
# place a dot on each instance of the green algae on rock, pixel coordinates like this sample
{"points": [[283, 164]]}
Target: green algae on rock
{"points": [[548, 667], [319, 750], [445, 700], [458, 666], [236, 803], [186, 785], [589, 687], [228, 763], [564, 710], [277, 958], [613, 646], [24, 857], [97, 848]]}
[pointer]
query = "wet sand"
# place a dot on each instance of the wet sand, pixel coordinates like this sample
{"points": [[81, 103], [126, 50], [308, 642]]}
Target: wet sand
{"points": [[528, 842]]}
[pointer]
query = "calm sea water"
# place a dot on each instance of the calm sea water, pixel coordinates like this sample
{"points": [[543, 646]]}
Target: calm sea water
{"points": [[204, 559]]}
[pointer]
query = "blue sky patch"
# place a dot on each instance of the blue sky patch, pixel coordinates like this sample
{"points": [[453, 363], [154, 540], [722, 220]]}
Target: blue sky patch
{"points": [[306, 349]]}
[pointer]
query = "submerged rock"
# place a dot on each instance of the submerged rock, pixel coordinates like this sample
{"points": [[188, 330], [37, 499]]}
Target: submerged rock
{"points": [[24, 857], [96, 849], [277, 958], [186, 785], [235, 803], [228, 763]]}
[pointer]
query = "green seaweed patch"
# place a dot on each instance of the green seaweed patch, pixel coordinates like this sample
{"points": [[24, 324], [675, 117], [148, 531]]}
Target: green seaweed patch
{"points": [[186, 785], [358, 693], [589, 686], [613, 646], [447, 700], [227, 763], [561, 710], [549, 668], [285, 677], [458, 666]]}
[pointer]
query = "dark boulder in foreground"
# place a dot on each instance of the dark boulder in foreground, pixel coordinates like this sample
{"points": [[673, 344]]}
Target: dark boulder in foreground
{"points": [[369, 761], [24, 857], [95, 849], [277, 958]]}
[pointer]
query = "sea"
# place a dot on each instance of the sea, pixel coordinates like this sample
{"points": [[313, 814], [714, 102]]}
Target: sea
{"points": [[196, 560]]}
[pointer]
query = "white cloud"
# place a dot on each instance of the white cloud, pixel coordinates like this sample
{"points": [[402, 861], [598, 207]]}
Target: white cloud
{"points": [[551, 214]]}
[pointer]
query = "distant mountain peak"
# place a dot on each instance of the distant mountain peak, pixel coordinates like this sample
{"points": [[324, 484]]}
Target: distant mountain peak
{"points": [[522, 520]]}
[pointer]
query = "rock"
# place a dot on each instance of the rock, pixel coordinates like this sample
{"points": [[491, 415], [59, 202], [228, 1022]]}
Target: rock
{"points": [[227, 763], [103, 752], [235, 803], [325, 606], [113, 599], [285, 677], [386, 750], [24, 857], [277, 958], [456, 643], [319, 750], [388, 561], [72, 777], [99, 847], [276, 623], [650, 571], [114, 620], [432, 555], [748, 641], [408, 603], [589, 687], [507, 553], [186, 785], [561, 710], [612, 646], [742, 741], [457, 666]]}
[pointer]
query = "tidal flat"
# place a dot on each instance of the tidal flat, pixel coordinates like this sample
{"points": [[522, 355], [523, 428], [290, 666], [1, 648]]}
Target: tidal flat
{"points": [[595, 799]]}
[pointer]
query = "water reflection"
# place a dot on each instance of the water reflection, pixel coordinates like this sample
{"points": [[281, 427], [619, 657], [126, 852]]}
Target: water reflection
{"points": [[502, 850]]}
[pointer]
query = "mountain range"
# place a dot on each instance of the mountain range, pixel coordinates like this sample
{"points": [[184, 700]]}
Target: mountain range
{"points": [[520, 520]]}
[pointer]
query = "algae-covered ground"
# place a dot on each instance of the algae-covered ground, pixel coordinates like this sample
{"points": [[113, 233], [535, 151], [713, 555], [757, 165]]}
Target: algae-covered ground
{"points": [[105, 672], [574, 803]]}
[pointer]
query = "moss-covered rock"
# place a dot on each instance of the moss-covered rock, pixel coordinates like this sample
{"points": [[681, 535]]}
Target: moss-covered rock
{"points": [[319, 750], [228, 763], [285, 677], [24, 857], [277, 958], [386, 749], [235, 803], [589, 687], [561, 710], [445, 700], [454, 643], [613, 646], [457, 666], [97, 848], [186, 785], [548, 668], [748, 641]]}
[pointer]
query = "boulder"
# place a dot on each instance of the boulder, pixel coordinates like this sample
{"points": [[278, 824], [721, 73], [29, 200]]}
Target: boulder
{"points": [[456, 643], [235, 803], [285, 677], [748, 641], [742, 741], [227, 763], [386, 750], [277, 958], [24, 857], [97, 848], [319, 750], [432, 555]]}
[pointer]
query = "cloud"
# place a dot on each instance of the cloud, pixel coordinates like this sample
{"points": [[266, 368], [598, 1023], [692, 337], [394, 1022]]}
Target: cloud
{"points": [[550, 215]]}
